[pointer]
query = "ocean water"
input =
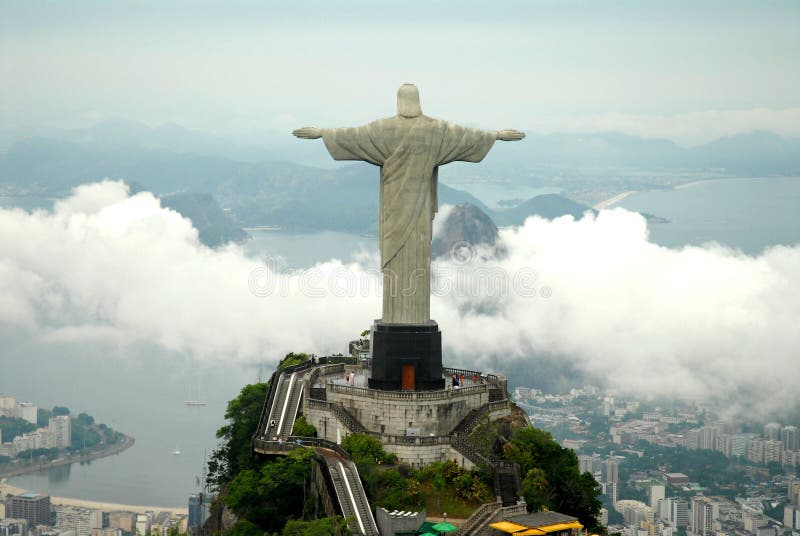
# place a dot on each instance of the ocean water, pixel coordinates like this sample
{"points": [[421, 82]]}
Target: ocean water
{"points": [[140, 390], [747, 214]]}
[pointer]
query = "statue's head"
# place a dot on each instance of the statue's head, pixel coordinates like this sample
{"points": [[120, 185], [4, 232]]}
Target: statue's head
{"points": [[408, 101]]}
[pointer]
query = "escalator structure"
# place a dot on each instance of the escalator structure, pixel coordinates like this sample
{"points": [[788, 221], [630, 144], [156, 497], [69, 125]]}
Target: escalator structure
{"points": [[284, 403], [274, 436], [349, 492]]}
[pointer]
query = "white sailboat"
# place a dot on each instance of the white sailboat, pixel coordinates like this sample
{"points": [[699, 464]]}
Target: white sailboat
{"points": [[176, 452], [192, 401]]}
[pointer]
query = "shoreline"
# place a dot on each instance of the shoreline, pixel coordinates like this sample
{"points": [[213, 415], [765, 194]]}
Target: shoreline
{"points": [[8, 489], [93, 455], [611, 201]]}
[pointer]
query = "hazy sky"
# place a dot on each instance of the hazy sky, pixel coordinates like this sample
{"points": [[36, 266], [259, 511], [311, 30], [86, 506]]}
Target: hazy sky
{"points": [[673, 69]]}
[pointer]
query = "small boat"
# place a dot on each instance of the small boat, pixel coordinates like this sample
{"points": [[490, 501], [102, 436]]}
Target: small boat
{"points": [[195, 403], [176, 452]]}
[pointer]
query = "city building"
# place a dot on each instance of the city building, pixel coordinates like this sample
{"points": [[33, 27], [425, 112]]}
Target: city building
{"points": [[656, 494], [755, 449], [704, 513], [61, 428], [81, 520], [198, 511], [125, 521], [772, 451], [611, 471], [790, 437], [677, 511], [13, 527], [791, 517], [635, 512], [27, 411], [32, 507], [7, 405], [143, 523], [676, 478], [772, 430]]}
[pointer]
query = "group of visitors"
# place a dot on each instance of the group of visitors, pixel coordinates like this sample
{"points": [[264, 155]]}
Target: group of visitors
{"points": [[457, 380]]}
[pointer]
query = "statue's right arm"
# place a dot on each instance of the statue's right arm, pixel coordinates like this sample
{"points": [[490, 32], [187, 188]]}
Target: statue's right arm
{"points": [[308, 133], [509, 135]]}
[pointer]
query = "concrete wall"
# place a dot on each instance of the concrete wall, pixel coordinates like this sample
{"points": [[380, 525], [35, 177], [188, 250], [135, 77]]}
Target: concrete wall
{"points": [[405, 522], [421, 456], [392, 413]]}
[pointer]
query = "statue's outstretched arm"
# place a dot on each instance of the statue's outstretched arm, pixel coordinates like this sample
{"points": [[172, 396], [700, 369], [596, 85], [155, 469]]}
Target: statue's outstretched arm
{"points": [[509, 135], [308, 133]]}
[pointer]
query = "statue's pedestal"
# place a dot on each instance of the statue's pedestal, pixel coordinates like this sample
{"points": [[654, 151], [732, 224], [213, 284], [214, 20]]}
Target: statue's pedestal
{"points": [[406, 357]]}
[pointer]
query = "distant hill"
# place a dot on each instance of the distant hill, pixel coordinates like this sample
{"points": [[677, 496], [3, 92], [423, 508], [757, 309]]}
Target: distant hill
{"points": [[547, 206], [299, 197], [465, 223], [214, 226]]}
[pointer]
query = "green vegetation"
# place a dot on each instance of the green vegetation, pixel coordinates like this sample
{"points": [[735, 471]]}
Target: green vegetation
{"points": [[365, 448], [303, 428], [50, 454], [273, 494], [235, 453], [293, 359], [551, 479], [708, 468], [331, 526], [13, 427], [85, 434]]}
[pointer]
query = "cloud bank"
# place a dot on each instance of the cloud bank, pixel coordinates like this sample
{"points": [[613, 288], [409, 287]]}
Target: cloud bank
{"points": [[704, 322]]}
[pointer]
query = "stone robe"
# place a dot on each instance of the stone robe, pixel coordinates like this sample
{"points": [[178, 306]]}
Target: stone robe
{"points": [[408, 151]]}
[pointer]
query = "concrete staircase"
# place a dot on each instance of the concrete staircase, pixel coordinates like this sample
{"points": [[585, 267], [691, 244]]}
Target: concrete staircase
{"points": [[505, 475]]}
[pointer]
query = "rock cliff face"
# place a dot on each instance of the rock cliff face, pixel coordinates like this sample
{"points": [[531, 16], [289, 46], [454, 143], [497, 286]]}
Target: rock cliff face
{"points": [[465, 226]]}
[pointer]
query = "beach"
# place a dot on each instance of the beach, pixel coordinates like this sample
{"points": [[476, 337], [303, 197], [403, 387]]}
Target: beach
{"points": [[611, 201], [7, 489]]}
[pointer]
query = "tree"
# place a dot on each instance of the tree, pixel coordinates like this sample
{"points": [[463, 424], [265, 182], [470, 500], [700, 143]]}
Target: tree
{"points": [[293, 359], [60, 410], [364, 447], [244, 527], [13, 427], [272, 495], [438, 483], [552, 479], [85, 419], [303, 428], [235, 452], [333, 526], [43, 416]]}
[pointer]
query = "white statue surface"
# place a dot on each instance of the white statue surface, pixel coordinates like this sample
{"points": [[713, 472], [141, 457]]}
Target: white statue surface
{"points": [[409, 148]]}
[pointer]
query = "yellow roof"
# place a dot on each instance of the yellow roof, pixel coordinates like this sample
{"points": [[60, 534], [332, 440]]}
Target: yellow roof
{"points": [[561, 526], [529, 532], [505, 526]]}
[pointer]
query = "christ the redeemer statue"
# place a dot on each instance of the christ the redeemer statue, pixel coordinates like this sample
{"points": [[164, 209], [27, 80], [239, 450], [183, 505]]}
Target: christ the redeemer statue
{"points": [[409, 148]]}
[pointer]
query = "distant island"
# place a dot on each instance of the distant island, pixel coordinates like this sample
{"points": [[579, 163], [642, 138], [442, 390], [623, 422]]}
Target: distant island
{"points": [[34, 439]]}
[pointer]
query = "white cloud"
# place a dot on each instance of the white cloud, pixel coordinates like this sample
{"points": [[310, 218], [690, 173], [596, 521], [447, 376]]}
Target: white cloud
{"points": [[700, 321]]}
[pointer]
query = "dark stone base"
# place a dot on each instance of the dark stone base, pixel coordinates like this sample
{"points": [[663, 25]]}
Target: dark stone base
{"points": [[395, 345]]}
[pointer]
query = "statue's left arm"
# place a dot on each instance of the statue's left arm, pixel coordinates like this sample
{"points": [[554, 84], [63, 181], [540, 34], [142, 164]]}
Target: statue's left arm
{"points": [[470, 144]]}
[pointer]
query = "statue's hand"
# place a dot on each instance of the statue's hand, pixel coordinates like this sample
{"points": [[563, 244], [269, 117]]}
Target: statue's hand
{"points": [[509, 135], [309, 133]]}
